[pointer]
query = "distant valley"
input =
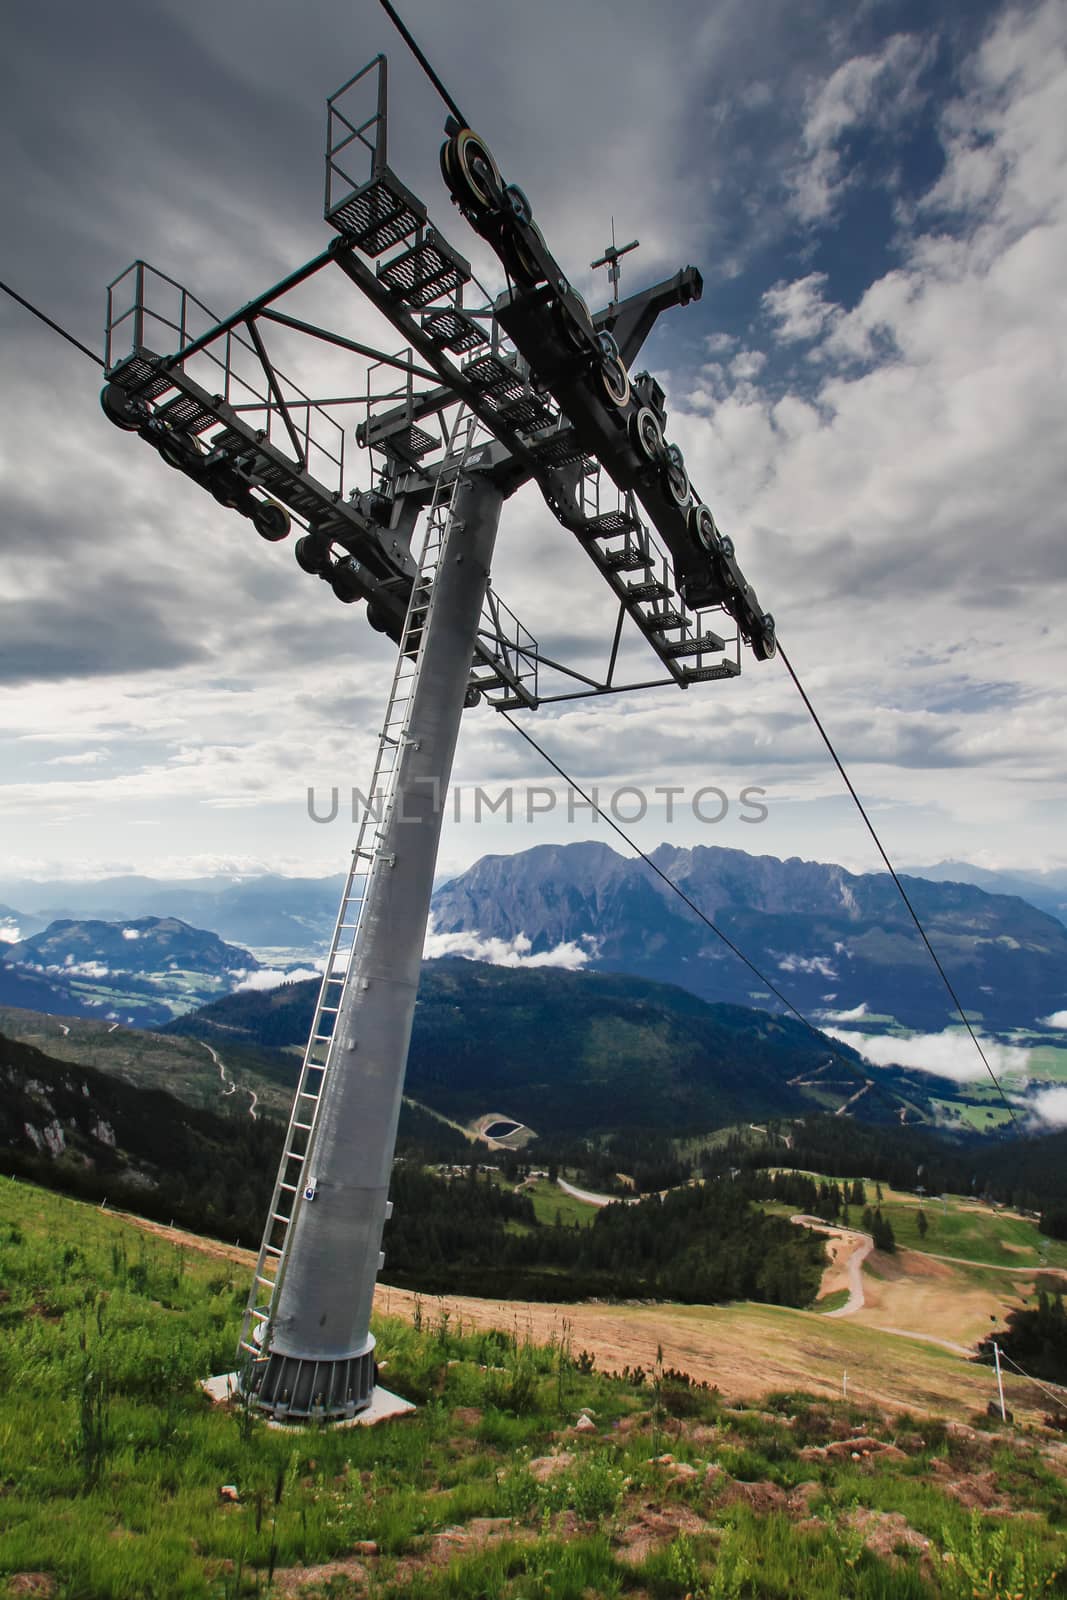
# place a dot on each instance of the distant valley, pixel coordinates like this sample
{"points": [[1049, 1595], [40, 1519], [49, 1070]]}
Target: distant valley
{"points": [[142, 972]]}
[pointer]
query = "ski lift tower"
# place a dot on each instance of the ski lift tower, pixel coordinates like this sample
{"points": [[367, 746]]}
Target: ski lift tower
{"points": [[488, 392]]}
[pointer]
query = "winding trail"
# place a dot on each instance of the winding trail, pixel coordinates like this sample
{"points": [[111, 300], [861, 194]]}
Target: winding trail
{"points": [[591, 1199], [995, 1266], [228, 1084], [862, 1245]]}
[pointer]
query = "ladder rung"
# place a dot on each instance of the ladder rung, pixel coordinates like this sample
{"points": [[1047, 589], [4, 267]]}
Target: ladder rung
{"points": [[290, 1186], [280, 1216], [272, 1250], [305, 1127]]}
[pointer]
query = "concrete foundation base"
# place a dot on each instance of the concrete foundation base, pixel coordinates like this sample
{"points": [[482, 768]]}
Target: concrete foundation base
{"points": [[383, 1407]]}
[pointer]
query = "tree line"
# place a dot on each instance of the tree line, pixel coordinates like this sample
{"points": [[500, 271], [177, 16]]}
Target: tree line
{"points": [[701, 1244]]}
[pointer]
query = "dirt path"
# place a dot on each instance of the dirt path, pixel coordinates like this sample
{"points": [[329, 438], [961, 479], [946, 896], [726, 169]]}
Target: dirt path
{"points": [[591, 1199], [845, 1270], [229, 1086], [992, 1266]]}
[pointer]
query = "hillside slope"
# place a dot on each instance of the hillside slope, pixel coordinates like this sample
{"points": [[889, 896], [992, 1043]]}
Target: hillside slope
{"points": [[567, 1053], [677, 1484], [72, 1127]]}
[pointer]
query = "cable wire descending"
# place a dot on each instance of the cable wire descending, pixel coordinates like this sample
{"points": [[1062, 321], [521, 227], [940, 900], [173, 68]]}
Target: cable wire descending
{"points": [[49, 323], [869, 1083], [409, 40], [893, 874], [1056, 1400]]}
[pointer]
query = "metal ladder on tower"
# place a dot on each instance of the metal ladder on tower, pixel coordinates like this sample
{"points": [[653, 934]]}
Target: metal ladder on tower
{"points": [[292, 1186]]}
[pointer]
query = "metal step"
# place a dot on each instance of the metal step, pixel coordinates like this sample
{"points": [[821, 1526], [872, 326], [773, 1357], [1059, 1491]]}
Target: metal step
{"points": [[140, 376], [528, 413], [430, 269], [560, 449], [186, 414], [723, 669], [664, 621], [408, 440], [378, 214], [451, 329], [652, 590], [628, 560], [608, 522], [695, 645], [495, 378]]}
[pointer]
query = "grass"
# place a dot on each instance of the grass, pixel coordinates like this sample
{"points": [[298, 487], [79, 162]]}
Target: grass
{"points": [[1048, 1063], [981, 1118], [550, 1202], [956, 1226], [962, 1229], [112, 1458]]}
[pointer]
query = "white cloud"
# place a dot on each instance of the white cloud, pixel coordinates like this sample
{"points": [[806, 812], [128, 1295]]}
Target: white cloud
{"points": [[819, 964], [87, 758], [872, 90], [799, 308], [1058, 1019], [503, 952], [852, 1015], [272, 977], [75, 969], [131, 933], [1050, 1106], [947, 1055], [9, 932]]}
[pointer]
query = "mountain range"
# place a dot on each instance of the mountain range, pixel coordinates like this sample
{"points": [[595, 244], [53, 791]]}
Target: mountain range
{"points": [[268, 910], [1048, 892], [142, 971], [830, 940], [298, 914]]}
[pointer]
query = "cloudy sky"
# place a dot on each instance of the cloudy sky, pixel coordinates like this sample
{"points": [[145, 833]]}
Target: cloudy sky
{"points": [[870, 396]]}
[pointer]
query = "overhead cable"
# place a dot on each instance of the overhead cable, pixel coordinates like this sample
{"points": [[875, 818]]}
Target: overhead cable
{"points": [[893, 874], [409, 40], [870, 1083], [49, 323]]}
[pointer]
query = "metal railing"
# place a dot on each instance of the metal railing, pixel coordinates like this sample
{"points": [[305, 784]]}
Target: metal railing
{"points": [[162, 317]]}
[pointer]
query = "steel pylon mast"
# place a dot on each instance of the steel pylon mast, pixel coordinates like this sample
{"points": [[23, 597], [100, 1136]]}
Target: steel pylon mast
{"points": [[488, 392]]}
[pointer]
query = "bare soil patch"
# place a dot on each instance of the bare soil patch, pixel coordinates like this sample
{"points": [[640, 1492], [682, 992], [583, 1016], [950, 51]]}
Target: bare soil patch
{"points": [[648, 1526]]}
